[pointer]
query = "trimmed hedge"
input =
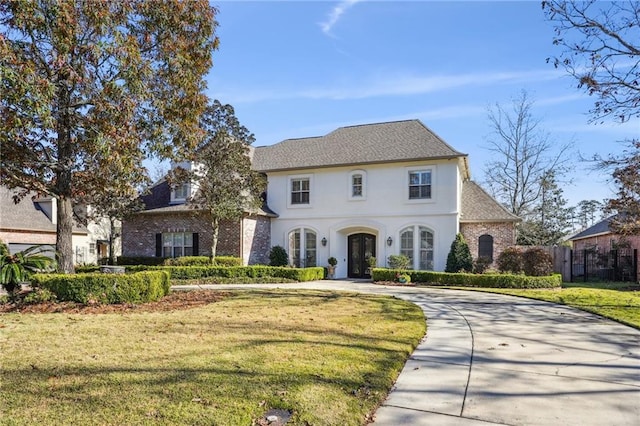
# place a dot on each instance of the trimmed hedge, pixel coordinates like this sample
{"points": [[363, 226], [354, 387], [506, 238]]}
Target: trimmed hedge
{"points": [[471, 280], [140, 287], [140, 260], [254, 271], [203, 261]]}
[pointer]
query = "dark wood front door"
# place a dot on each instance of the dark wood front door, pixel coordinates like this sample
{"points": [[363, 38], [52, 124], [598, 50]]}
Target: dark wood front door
{"points": [[361, 248]]}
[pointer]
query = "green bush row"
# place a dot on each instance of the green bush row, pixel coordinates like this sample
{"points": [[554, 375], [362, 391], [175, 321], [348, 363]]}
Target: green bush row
{"points": [[203, 261], [140, 260], [470, 280], [256, 271], [140, 287]]}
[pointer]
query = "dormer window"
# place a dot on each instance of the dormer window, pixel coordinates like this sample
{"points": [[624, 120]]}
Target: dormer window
{"points": [[181, 192]]}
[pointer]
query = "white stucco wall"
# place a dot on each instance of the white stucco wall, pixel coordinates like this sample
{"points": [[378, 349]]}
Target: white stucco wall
{"points": [[384, 211]]}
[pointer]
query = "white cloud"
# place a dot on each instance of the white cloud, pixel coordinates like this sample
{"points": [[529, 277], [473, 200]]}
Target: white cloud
{"points": [[335, 15]]}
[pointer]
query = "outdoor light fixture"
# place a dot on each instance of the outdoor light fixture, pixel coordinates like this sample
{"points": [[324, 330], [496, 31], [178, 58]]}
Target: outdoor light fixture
{"points": [[324, 241], [389, 241]]}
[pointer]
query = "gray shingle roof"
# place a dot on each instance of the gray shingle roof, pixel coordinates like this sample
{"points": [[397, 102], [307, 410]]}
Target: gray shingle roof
{"points": [[26, 215], [362, 144], [599, 228], [479, 206]]}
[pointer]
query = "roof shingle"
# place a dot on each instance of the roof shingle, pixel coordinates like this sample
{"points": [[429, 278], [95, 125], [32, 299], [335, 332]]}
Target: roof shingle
{"points": [[478, 206]]}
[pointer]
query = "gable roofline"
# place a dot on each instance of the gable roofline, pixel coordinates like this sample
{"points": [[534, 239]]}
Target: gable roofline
{"points": [[361, 144], [596, 230]]}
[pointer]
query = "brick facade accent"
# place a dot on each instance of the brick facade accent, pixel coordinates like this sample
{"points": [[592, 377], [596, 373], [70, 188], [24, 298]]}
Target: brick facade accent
{"points": [[27, 237], [251, 241], [503, 233], [607, 242]]}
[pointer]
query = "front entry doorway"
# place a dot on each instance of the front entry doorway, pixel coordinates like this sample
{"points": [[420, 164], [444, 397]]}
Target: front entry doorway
{"points": [[361, 248]]}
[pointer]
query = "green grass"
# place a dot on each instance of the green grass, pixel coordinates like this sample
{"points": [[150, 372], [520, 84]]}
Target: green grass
{"points": [[328, 357], [617, 301]]}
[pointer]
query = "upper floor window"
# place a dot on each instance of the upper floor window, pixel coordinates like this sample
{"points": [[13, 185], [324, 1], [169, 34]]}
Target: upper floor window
{"points": [[356, 185], [300, 191], [181, 192], [419, 184]]}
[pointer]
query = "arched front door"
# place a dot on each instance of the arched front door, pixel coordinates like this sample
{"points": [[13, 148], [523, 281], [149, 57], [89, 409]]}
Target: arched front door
{"points": [[361, 248]]}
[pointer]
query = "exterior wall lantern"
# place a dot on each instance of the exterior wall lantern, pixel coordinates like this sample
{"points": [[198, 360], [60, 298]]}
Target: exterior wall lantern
{"points": [[389, 241], [323, 241]]}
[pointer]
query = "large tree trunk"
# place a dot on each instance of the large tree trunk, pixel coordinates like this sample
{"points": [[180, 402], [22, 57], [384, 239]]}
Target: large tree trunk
{"points": [[64, 234], [112, 236], [215, 224]]}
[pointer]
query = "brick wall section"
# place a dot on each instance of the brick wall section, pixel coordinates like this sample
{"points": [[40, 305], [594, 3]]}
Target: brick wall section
{"points": [[139, 233], [27, 237], [606, 242], [503, 233], [256, 240]]}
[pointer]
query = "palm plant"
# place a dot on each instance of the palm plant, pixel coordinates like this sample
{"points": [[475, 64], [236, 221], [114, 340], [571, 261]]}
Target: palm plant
{"points": [[17, 268]]}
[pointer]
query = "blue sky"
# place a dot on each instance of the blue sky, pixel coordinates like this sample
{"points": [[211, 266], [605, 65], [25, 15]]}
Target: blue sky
{"points": [[297, 69]]}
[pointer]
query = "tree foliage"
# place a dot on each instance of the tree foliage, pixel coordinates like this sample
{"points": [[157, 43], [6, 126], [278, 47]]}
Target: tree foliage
{"points": [[523, 153], [459, 257], [89, 89], [17, 268], [601, 42], [227, 187], [549, 220], [626, 176], [588, 212]]}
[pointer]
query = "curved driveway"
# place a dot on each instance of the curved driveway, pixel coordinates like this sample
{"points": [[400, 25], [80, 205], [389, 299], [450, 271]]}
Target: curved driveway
{"points": [[493, 359]]}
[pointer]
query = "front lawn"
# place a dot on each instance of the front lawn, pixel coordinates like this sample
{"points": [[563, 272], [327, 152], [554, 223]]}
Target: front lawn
{"points": [[327, 357], [618, 301]]}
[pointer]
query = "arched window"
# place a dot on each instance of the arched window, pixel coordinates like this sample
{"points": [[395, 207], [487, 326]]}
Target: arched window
{"points": [[302, 248], [423, 246], [485, 247]]}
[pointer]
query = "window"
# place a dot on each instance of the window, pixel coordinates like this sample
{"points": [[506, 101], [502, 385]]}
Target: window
{"points": [[485, 247], [300, 191], [356, 185], [92, 248], [177, 244], [181, 192], [423, 246], [420, 184], [302, 248]]}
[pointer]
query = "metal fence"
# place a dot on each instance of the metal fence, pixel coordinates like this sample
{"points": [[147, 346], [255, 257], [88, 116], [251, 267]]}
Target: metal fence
{"points": [[597, 264]]}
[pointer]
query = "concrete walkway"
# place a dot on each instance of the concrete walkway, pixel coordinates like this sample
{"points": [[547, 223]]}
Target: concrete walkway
{"points": [[493, 359]]}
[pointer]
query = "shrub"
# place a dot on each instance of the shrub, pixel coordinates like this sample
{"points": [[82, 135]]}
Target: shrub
{"points": [[39, 295], [228, 261], [140, 260], [278, 256], [399, 261], [203, 261], [481, 265], [510, 260], [459, 257], [537, 262], [403, 278], [471, 280], [106, 288], [332, 261]]}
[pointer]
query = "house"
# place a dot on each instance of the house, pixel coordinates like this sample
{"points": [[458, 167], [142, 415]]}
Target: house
{"points": [[360, 191], [32, 221], [599, 239], [375, 190], [168, 227]]}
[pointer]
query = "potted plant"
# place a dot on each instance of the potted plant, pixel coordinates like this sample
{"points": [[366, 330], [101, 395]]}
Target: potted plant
{"points": [[331, 269]]}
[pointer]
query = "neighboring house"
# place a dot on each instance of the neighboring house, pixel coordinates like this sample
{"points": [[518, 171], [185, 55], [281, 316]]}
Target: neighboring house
{"points": [[375, 190], [168, 227], [33, 222], [599, 238]]}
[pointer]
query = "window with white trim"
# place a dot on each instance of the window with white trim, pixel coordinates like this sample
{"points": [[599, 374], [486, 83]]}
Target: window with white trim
{"points": [[357, 185], [303, 248], [177, 244], [300, 191], [423, 246], [180, 192], [420, 184]]}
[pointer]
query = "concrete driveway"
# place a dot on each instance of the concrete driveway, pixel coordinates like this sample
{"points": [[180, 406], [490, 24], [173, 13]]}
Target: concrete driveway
{"points": [[493, 359]]}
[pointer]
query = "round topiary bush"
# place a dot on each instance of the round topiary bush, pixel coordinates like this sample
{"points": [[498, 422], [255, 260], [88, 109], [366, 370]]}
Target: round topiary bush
{"points": [[510, 260], [537, 262]]}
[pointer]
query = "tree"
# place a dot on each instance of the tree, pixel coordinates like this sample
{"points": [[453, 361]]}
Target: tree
{"points": [[93, 86], [459, 257], [601, 42], [523, 154], [227, 187], [549, 220], [626, 176], [588, 211]]}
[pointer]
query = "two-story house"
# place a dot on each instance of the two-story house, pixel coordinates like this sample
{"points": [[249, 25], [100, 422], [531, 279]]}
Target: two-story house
{"points": [[361, 191], [375, 190]]}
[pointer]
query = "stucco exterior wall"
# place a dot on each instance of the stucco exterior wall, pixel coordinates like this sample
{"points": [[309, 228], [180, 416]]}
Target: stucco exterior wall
{"points": [[385, 210]]}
